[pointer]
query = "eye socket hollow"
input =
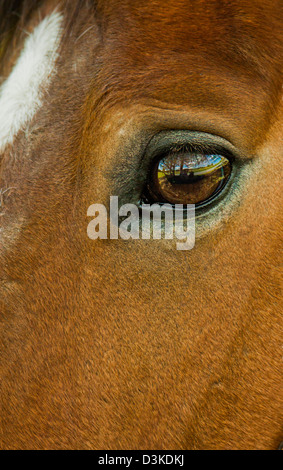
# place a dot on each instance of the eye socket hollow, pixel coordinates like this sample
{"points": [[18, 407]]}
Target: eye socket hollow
{"points": [[187, 178]]}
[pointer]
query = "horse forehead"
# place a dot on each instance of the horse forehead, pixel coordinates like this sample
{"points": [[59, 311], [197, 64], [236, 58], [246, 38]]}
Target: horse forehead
{"points": [[240, 35], [200, 54], [184, 52], [211, 24]]}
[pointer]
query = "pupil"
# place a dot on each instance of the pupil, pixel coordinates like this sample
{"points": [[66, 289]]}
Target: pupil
{"points": [[189, 178]]}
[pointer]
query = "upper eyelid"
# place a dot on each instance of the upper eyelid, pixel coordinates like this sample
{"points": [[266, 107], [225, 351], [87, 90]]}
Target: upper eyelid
{"points": [[204, 149], [167, 141]]}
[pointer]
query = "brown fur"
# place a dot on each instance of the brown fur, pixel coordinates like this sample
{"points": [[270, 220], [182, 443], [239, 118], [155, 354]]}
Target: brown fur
{"points": [[134, 345]]}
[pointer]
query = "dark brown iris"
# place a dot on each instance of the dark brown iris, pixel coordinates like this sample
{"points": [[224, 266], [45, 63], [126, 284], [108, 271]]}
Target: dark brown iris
{"points": [[189, 178]]}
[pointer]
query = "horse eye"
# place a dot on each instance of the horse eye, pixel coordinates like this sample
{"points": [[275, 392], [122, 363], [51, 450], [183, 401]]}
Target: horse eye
{"points": [[187, 178]]}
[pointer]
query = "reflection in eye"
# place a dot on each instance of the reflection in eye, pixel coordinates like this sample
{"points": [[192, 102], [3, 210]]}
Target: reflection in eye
{"points": [[187, 178]]}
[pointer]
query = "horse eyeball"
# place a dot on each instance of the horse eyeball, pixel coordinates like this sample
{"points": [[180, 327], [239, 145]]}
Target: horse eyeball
{"points": [[187, 178]]}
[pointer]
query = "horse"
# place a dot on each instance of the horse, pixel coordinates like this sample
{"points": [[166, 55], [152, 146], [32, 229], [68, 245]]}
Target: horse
{"points": [[131, 344]]}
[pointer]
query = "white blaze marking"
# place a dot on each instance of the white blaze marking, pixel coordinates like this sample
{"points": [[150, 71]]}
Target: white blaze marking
{"points": [[21, 94]]}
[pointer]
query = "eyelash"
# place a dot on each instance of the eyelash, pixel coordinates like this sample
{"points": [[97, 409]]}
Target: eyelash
{"points": [[204, 149]]}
